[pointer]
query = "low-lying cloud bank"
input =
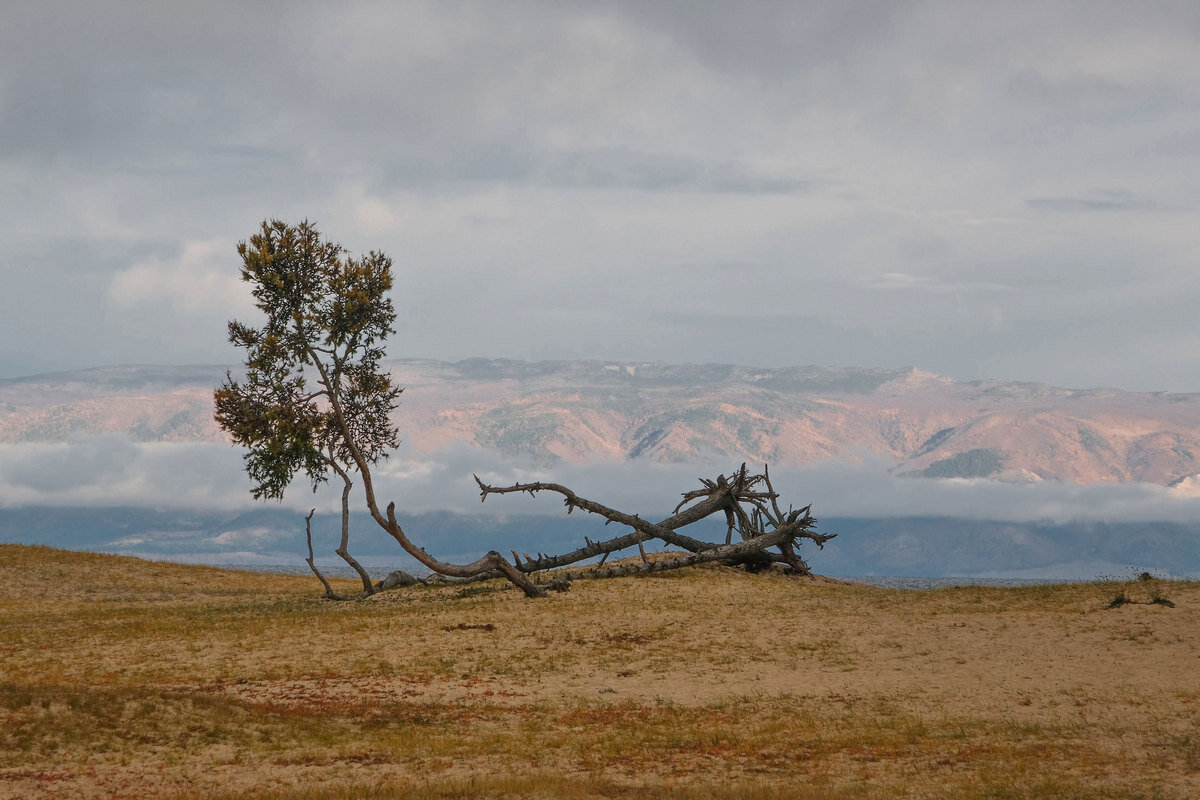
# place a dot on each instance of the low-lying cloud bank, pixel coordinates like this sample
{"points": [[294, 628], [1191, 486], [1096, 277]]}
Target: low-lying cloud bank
{"points": [[191, 502], [113, 470]]}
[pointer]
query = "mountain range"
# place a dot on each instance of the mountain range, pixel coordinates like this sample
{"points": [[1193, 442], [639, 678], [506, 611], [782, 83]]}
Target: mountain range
{"points": [[574, 412], [1062, 482]]}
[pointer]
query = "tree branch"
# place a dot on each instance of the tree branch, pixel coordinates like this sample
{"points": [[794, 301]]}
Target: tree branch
{"points": [[312, 564]]}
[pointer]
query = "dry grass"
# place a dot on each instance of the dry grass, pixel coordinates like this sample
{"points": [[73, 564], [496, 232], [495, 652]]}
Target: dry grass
{"points": [[122, 678]]}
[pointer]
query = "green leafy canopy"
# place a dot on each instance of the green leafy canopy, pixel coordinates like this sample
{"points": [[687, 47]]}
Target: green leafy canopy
{"points": [[313, 394]]}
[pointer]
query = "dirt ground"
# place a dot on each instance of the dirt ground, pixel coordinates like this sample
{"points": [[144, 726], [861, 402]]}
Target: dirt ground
{"points": [[122, 678]]}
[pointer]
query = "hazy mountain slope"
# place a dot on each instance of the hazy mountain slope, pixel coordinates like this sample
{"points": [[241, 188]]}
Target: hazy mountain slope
{"points": [[580, 411], [152, 403]]}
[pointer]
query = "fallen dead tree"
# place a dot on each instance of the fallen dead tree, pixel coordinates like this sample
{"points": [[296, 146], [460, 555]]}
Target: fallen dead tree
{"points": [[750, 506], [768, 537]]}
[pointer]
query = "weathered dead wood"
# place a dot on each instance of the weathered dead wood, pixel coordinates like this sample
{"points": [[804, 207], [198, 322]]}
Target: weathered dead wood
{"points": [[665, 530], [312, 564], [491, 563], [396, 579], [721, 554], [749, 503], [344, 547], [763, 526]]}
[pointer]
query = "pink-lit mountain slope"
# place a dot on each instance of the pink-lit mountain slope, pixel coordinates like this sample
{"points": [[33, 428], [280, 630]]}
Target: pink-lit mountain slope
{"points": [[580, 411]]}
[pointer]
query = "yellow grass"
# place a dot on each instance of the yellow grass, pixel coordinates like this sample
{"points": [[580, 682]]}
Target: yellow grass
{"points": [[123, 678]]}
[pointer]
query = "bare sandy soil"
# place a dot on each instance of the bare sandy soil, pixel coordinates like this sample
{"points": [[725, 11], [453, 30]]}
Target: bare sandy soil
{"points": [[121, 678]]}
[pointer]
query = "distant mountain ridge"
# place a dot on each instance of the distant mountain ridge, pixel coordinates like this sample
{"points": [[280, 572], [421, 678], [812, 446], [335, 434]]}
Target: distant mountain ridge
{"points": [[583, 411]]}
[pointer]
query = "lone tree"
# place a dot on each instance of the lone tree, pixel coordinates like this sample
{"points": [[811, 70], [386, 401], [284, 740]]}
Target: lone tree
{"points": [[315, 400]]}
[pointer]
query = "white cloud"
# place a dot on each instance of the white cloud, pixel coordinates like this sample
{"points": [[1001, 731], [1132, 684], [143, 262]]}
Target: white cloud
{"points": [[841, 489], [112, 471], [256, 538], [869, 490], [202, 280]]}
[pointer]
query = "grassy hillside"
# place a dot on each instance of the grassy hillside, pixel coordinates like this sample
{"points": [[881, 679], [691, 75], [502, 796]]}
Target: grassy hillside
{"points": [[124, 678]]}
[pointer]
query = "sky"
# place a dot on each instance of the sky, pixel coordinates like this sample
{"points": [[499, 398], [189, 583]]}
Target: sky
{"points": [[981, 190]]}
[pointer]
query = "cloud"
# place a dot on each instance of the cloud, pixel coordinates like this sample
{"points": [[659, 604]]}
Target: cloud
{"points": [[175, 306], [256, 538], [870, 490], [601, 168], [443, 481], [902, 281], [1106, 200], [92, 464], [114, 470], [199, 281], [181, 481]]}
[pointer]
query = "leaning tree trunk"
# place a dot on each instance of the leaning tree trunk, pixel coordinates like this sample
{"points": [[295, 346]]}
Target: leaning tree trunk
{"points": [[493, 562]]}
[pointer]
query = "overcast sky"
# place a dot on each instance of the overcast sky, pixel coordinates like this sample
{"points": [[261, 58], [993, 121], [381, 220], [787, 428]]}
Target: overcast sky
{"points": [[1001, 190]]}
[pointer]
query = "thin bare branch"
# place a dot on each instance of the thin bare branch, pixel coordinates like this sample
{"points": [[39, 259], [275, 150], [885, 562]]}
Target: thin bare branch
{"points": [[312, 564]]}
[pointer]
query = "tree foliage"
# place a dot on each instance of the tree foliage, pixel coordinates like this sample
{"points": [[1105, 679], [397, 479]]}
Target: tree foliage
{"points": [[313, 395]]}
